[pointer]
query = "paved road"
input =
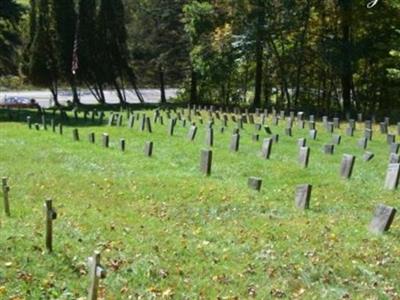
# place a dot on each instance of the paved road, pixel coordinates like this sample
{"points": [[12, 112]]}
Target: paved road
{"points": [[43, 97]]}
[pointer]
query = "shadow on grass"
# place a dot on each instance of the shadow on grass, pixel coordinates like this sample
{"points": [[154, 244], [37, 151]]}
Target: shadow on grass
{"points": [[84, 115]]}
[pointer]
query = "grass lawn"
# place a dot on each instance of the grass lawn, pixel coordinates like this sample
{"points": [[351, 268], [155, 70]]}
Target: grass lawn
{"points": [[167, 231]]}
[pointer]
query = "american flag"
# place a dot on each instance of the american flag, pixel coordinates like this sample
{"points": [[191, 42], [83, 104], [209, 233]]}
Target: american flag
{"points": [[75, 59]]}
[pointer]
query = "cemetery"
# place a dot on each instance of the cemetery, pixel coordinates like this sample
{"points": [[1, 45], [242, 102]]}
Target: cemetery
{"points": [[195, 210], [198, 149]]}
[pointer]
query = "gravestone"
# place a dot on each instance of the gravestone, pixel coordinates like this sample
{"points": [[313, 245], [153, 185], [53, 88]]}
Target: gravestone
{"points": [[301, 142], [390, 139], [257, 126], [6, 190], [383, 127], [192, 133], [37, 126], [382, 219], [275, 121], [106, 140], [347, 165], [368, 156], [254, 183], [368, 124], [122, 145], [359, 117], [29, 122], [206, 161], [311, 125], [75, 134], [234, 146], [148, 125], [91, 138], [329, 148], [352, 124], [304, 156], [394, 147], [350, 131], [171, 127], [148, 149], [255, 137], [301, 124], [303, 196], [119, 120], [209, 137], [53, 125], [131, 121], [362, 143], [336, 139], [394, 158], [143, 122], [329, 127], [266, 148], [368, 134], [275, 138], [288, 131], [392, 176], [336, 123], [313, 134]]}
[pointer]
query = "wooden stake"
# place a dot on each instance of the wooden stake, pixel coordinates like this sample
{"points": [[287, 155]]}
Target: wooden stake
{"points": [[50, 216], [6, 189], [96, 272]]}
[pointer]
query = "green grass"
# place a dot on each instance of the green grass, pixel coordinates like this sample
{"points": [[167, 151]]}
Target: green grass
{"points": [[166, 231]]}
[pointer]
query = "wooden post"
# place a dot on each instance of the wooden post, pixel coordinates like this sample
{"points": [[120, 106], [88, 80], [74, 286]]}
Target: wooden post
{"points": [[96, 272], [6, 189], [50, 216]]}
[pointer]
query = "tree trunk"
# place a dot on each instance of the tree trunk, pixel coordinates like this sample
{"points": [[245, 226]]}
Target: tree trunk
{"points": [[163, 99], [345, 7], [259, 56], [193, 88]]}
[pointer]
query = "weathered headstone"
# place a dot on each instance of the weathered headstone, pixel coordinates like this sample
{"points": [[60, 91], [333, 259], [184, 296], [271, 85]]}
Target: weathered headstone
{"points": [[210, 137], [382, 219], [171, 127], [122, 145], [301, 142], [106, 140], [288, 131], [51, 215], [148, 124], [255, 137], [192, 133], [390, 139], [275, 138], [303, 196], [368, 156], [235, 140], [6, 190], [394, 147], [362, 143], [394, 158], [313, 134], [350, 131], [336, 139], [329, 148], [29, 122], [131, 121], [368, 134], [254, 183], [392, 176], [92, 138], [266, 148], [148, 148], [311, 125], [206, 161], [75, 134], [304, 156], [347, 165], [383, 127], [267, 129], [336, 122]]}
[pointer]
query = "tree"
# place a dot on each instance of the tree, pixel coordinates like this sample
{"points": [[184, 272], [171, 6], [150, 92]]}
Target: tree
{"points": [[43, 64], [10, 16], [65, 25]]}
